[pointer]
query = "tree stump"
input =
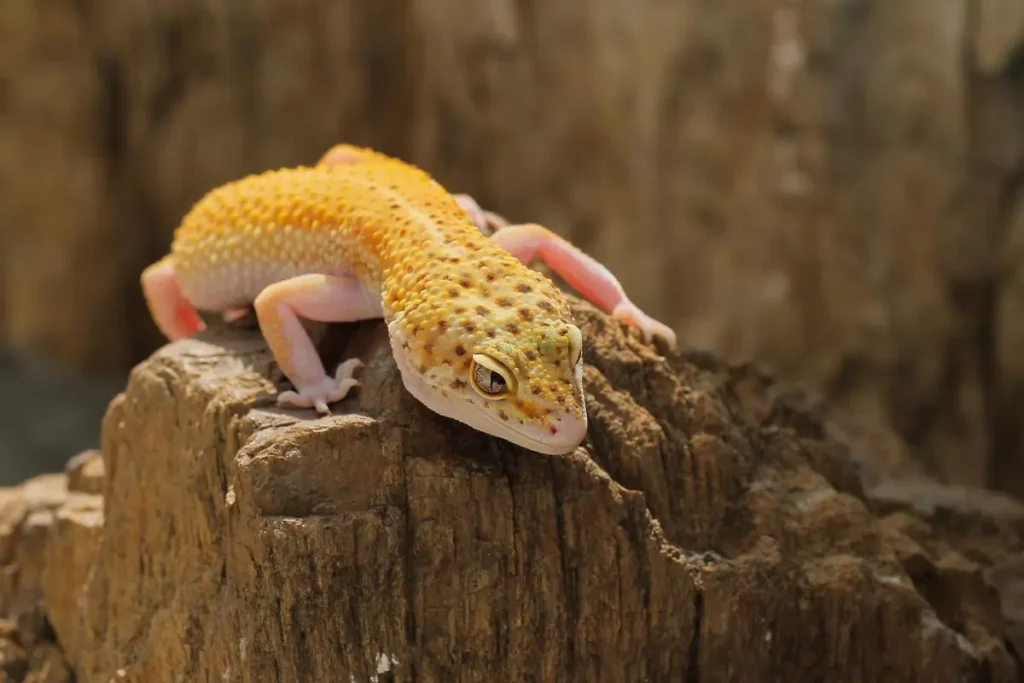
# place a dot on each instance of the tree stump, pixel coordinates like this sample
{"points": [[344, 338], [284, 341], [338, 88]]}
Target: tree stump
{"points": [[715, 526]]}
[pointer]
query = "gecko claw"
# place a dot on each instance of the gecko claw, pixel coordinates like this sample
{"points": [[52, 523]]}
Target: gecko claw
{"points": [[328, 390]]}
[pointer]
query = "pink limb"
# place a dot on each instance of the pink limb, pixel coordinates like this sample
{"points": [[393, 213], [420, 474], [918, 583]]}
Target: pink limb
{"points": [[233, 314], [171, 311], [488, 222], [343, 153], [588, 277], [323, 298]]}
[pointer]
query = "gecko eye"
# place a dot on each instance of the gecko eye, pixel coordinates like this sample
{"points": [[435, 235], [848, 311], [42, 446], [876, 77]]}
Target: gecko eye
{"points": [[490, 378]]}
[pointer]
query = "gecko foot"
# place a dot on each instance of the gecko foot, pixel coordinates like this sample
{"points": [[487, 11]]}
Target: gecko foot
{"points": [[328, 390], [628, 313]]}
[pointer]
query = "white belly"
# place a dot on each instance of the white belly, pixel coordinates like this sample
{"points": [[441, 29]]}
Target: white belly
{"points": [[236, 285]]}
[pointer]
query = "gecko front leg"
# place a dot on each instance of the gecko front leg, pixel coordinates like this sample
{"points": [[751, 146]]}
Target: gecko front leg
{"points": [[584, 274], [323, 298]]}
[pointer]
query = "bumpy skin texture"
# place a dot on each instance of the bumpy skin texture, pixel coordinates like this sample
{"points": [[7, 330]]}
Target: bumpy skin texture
{"points": [[478, 336]]}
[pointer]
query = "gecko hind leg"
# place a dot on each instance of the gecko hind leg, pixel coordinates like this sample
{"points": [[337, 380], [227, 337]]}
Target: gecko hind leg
{"points": [[344, 153], [584, 274], [323, 298], [488, 222], [171, 311]]}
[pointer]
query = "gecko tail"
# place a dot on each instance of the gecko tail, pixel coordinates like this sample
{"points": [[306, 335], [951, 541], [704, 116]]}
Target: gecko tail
{"points": [[171, 311]]}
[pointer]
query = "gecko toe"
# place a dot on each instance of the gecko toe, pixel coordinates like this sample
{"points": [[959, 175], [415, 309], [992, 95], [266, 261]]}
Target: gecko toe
{"points": [[329, 390], [345, 386], [292, 398], [346, 369]]}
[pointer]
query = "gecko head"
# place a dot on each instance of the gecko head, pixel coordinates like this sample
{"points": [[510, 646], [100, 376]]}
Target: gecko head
{"points": [[516, 381]]}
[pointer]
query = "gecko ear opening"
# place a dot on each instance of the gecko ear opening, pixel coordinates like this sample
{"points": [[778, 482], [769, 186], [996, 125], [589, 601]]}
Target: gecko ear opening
{"points": [[491, 379]]}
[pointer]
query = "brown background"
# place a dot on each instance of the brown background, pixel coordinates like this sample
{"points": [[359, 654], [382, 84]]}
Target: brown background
{"points": [[831, 188]]}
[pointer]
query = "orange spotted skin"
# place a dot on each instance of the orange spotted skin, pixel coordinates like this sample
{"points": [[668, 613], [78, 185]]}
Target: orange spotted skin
{"points": [[447, 292], [264, 228]]}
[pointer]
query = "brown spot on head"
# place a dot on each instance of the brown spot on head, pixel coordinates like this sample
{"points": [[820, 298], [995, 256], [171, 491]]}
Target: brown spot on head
{"points": [[502, 415], [525, 313], [512, 328], [483, 310], [524, 288], [460, 350], [459, 310], [531, 355], [469, 327], [491, 333], [490, 277], [453, 293], [458, 384], [545, 306], [535, 389], [465, 283], [442, 324], [503, 301]]}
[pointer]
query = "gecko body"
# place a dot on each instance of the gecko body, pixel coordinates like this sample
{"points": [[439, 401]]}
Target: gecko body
{"points": [[477, 335]]}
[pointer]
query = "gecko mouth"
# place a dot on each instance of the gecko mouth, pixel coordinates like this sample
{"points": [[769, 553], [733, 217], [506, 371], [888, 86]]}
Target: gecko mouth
{"points": [[570, 432]]}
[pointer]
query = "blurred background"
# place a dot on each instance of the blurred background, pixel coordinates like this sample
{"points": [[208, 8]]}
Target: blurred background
{"points": [[832, 188]]}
